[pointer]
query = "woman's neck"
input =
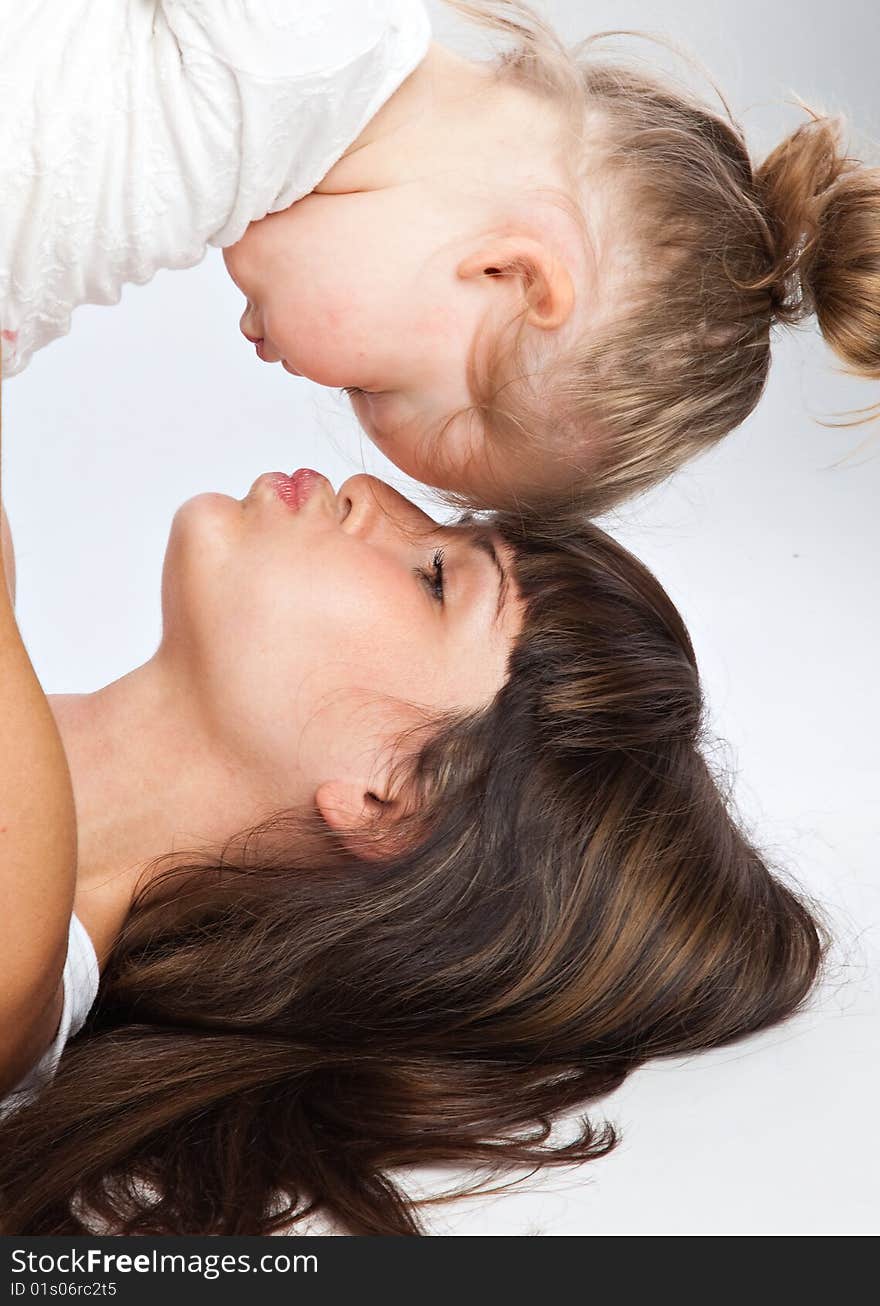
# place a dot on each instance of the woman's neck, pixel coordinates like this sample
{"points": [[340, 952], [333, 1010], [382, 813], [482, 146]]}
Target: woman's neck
{"points": [[146, 780]]}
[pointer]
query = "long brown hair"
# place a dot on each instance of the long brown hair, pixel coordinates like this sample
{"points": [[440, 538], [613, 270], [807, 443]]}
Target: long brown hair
{"points": [[710, 252], [275, 1034]]}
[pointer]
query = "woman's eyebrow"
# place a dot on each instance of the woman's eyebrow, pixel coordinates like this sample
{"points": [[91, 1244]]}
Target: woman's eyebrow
{"points": [[484, 544]]}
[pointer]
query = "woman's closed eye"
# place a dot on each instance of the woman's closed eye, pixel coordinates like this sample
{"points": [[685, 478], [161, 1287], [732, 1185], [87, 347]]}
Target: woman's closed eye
{"points": [[433, 578]]}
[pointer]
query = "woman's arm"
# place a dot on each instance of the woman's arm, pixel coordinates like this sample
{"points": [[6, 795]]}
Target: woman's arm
{"points": [[37, 851], [8, 553]]}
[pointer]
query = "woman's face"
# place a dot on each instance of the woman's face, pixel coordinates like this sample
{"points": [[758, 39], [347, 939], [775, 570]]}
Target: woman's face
{"points": [[313, 629]]}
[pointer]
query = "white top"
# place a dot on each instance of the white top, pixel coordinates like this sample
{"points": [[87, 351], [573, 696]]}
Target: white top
{"points": [[80, 983], [133, 133]]}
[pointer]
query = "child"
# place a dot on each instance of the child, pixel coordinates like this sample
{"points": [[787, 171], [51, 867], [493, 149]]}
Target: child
{"points": [[137, 131], [545, 284]]}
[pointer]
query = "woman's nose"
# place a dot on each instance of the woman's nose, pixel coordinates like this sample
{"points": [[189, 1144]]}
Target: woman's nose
{"points": [[369, 506]]}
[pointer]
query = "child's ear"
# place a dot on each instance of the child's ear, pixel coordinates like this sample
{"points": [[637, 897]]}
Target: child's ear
{"points": [[546, 281]]}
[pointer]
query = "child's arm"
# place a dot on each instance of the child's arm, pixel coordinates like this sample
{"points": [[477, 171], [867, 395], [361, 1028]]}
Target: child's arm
{"points": [[37, 852]]}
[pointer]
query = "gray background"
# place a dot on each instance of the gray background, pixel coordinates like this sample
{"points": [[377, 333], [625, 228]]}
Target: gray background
{"points": [[768, 544]]}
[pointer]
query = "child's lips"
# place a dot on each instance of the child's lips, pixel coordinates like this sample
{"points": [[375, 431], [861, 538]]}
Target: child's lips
{"points": [[259, 343], [260, 346]]}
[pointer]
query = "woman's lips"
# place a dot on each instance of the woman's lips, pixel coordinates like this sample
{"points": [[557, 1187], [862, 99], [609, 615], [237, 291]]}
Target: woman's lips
{"points": [[294, 490]]}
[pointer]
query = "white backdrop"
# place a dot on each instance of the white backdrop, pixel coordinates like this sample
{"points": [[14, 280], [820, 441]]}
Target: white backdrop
{"points": [[769, 545]]}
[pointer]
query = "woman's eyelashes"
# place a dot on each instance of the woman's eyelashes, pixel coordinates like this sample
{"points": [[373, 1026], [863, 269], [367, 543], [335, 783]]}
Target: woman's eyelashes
{"points": [[433, 578]]}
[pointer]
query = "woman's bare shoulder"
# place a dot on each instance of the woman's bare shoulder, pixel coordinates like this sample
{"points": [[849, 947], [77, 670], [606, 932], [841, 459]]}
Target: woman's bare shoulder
{"points": [[39, 1037]]}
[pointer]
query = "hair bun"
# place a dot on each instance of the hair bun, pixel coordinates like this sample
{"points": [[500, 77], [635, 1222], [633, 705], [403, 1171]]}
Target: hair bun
{"points": [[822, 210]]}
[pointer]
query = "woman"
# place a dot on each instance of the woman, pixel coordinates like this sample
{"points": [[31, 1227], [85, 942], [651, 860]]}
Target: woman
{"points": [[508, 879]]}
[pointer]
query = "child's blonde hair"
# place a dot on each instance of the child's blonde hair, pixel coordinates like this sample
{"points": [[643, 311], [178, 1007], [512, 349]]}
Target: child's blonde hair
{"points": [[723, 251]]}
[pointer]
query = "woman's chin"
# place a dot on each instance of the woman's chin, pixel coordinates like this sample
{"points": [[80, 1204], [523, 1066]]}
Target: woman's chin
{"points": [[204, 533], [203, 518]]}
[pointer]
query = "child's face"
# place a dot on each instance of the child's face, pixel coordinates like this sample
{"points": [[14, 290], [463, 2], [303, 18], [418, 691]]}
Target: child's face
{"points": [[365, 291]]}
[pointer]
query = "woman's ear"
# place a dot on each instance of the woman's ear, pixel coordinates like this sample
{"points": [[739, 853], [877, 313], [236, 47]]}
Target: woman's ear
{"points": [[362, 817], [546, 282]]}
